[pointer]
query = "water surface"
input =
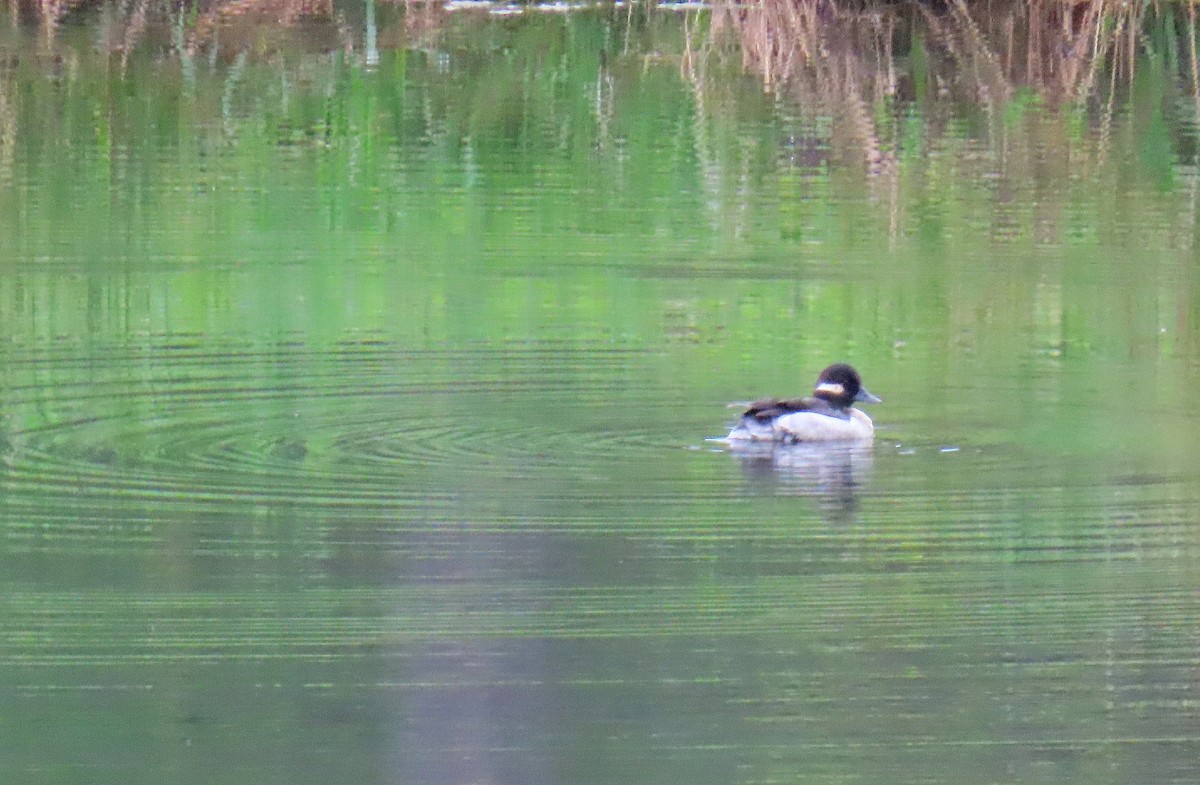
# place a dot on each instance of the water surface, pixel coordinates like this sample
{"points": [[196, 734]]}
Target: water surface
{"points": [[355, 415]]}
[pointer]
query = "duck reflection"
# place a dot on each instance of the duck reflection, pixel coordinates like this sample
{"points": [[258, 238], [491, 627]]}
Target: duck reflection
{"points": [[832, 473]]}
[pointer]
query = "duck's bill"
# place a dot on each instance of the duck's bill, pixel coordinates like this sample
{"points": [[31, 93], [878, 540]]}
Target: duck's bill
{"points": [[866, 397]]}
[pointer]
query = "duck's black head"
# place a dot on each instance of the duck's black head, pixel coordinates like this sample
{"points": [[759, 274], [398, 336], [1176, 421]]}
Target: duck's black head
{"points": [[841, 386]]}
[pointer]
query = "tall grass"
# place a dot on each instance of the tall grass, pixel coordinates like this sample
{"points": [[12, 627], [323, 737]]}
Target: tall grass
{"points": [[1065, 51], [849, 57]]}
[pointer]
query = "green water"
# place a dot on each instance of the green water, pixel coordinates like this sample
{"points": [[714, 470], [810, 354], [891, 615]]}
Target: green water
{"points": [[354, 419]]}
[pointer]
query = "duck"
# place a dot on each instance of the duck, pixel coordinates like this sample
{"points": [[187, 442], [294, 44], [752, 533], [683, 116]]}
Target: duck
{"points": [[828, 415]]}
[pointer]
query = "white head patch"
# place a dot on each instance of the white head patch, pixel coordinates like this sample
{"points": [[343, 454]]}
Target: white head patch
{"points": [[833, 388]]}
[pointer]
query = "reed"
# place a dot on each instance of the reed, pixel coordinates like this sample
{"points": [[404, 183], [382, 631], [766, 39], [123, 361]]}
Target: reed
{"points": [[247, 19], [836, 59], [857, 64], [989, 48], [983, 52]]}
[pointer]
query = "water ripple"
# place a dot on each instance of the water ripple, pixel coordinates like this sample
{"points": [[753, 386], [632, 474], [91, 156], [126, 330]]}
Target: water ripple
{"points": [[311, 424]]}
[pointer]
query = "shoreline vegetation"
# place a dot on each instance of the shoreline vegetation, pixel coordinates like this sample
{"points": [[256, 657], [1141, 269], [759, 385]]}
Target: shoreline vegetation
{"points": [[855, 61], [1063, 50], [860, 66], [857, 71], [856, 52], [901, 126]]}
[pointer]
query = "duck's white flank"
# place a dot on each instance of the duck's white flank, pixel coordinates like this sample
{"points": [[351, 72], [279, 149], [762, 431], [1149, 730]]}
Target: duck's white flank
{"points": [[813, 427], [806, 427]]}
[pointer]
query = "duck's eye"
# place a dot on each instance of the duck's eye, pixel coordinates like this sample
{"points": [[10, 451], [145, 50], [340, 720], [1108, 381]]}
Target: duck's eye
{"points": [[833, 388]]}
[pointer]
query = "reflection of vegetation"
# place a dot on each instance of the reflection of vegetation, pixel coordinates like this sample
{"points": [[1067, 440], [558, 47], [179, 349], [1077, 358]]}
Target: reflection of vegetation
{"points": [[978, 51], [852, 60], [471, 135], [281, 246]]}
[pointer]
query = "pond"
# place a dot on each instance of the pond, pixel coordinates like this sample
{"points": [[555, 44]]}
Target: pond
{"points": [[359, 370]]}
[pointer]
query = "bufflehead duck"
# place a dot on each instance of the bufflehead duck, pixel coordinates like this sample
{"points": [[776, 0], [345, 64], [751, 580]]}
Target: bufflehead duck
{"points": [[829, 415]]}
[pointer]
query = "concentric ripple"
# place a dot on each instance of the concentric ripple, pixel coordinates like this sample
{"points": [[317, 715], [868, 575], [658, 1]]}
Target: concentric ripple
{"points": [[105, 443], [326, 425]]}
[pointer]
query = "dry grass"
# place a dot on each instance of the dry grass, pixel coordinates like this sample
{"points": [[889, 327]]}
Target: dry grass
{"points": [[830, 50], [984, 50], [844, 61], [245, 21], [835, 58]]}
